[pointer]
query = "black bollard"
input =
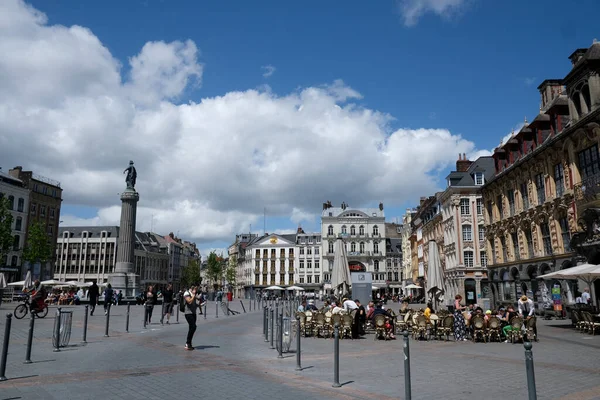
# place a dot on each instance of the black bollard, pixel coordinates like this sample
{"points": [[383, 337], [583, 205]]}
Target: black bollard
{"points": [[280, 338], [531, 389], [266, 322], [277, 313], [336, 356], [407, 388], [205, 309], [272, 329], [85, 324], [298, 341], [217, 308], [29, 339], [57, 330], [5, 347], [107, 320], [127, 318], [162, 313], [177, 314], [243, 308]]}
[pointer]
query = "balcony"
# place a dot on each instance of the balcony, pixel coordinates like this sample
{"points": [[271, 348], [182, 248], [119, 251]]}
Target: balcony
{"points": [[586, 193]]}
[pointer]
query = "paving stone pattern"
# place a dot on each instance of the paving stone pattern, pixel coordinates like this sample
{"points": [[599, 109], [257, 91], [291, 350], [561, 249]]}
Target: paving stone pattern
{"points": [[233, 361]]}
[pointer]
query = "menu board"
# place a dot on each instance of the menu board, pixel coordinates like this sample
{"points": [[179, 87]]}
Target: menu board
{"points": [[556, 299]]}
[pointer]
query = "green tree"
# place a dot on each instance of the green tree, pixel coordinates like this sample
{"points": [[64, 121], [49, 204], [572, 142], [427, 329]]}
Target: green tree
{"points": [[190, 275], [230, 272], [6, 236], [214, 269], [38, 247]]}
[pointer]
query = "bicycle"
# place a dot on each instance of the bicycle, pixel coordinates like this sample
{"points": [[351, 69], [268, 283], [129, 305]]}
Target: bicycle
{"points": [[22, 309]]}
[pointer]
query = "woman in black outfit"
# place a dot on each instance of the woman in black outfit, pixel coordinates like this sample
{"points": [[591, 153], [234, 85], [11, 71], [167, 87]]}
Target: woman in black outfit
{"points": [[150, 297]]}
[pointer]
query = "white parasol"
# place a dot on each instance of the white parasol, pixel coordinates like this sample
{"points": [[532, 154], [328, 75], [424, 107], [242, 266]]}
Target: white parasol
{"points": [[341, 272], [274, 288], [2, 281], [27, 282], [435, 277]]}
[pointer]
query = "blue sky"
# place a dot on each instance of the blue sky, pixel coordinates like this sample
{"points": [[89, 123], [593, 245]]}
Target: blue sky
{"points": [[473, 70]]}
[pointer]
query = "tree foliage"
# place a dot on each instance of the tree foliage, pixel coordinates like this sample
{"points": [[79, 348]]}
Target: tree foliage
{"points": [[38, 247], [231, 273], [214, 268], [6, 236], [190, 275]]}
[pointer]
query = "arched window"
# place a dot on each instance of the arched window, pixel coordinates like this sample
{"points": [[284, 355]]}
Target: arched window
{"points": [[361, 230], [11, 202], [21, 204], [330, 230], [18, 224], [344, 230], [330, 249], [585, 92], [376, 265], [16, 242], [353, 247], [13, 261], [362, 247], [375, 230], [376, 247], [352, 230]]}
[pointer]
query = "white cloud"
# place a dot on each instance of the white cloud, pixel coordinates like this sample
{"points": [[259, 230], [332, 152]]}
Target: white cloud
{"points": [[529, 81], [413, 10], [299, 215], [268, 70], [205, 169]]}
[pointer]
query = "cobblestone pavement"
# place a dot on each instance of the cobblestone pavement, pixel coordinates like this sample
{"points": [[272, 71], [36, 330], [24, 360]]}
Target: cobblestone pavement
{"points": [[233, 360]]}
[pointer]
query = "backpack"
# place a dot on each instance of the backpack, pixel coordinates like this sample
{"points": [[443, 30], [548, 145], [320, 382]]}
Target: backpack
{"points": [[181, 303]]}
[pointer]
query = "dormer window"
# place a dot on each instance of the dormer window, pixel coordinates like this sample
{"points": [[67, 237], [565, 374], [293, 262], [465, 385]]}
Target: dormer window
{"points": [[479, 179]]}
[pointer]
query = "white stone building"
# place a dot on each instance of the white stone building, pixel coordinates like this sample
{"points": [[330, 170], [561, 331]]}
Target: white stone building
{"points": [[89, 254], [405, 234], [363, 230], [17, 195], [308, 262], [270, 258]]}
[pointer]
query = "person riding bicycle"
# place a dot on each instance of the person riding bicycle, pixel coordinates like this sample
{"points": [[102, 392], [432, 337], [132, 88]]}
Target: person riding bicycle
{"points": [[38, 295]]}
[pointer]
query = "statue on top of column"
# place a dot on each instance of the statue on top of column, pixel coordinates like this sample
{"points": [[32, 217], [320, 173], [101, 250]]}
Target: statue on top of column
{"points": [[131, 176]]}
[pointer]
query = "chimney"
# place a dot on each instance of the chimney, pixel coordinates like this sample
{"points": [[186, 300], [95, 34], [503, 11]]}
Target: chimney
{"points": [[300, 230], [462, 164], [171, 235], [577, 55]]}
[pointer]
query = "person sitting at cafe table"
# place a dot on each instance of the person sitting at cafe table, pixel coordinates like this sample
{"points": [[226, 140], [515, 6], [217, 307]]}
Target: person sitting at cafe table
{"points": [[510, 314], [380, 311], [428, 311]]}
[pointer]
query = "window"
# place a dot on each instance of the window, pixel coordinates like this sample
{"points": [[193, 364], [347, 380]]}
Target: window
{"points": [[510, 195], [256, 253], [375, 230], [51, 212], [546, 239], [376, 247], [589, 165], [566, 235], [309, 264], [330, 230], [483, 258], [18, 224], [464, 207], [21, 204], [257, 264], [302, 278], [493, 247], [468, 259], [559, 179], [479, 203], [525, 196], [281, 265], [481, 233], [301, 251], [309, 251], [515, 241], [301, 264], [42, 211], [376, 265], [14, 261], [490, 211], [396, 277], [291, 255], [504, 250], [361, 230], [344, 230], [316, 251], [317, 279], [352, 230], [33, 208], [330, 265], [353, 247], [330, 248], [265, 253], [309, 279], [362, 247], [500, 205], [479, 178], [291, 279], [317, 264], [540, 188], [467, 234], [16, 242], [11, 202], [273, 253]]}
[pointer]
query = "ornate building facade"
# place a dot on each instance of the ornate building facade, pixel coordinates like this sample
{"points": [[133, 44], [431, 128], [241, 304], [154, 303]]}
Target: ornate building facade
{"points": [[271, 259], [16, 193], [363, 230], [464, 248], [546, 174]]}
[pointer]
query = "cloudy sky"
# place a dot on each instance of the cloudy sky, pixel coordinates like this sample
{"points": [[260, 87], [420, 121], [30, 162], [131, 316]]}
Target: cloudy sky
{"points": [[231, 108]]}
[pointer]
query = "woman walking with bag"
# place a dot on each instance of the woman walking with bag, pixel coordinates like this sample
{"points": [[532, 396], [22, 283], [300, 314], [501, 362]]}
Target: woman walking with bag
{"points": [[149, 303], [191, 309]]}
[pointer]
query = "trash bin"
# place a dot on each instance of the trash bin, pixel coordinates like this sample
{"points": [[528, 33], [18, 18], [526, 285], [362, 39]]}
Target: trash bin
{"points": [[64, 332], [289, 333]]}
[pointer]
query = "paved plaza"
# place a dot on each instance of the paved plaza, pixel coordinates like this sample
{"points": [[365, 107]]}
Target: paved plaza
{"points": [[233, 361]]}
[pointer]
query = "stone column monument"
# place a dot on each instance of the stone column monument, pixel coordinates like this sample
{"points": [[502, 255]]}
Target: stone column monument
{"points": [[124, 278]]}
